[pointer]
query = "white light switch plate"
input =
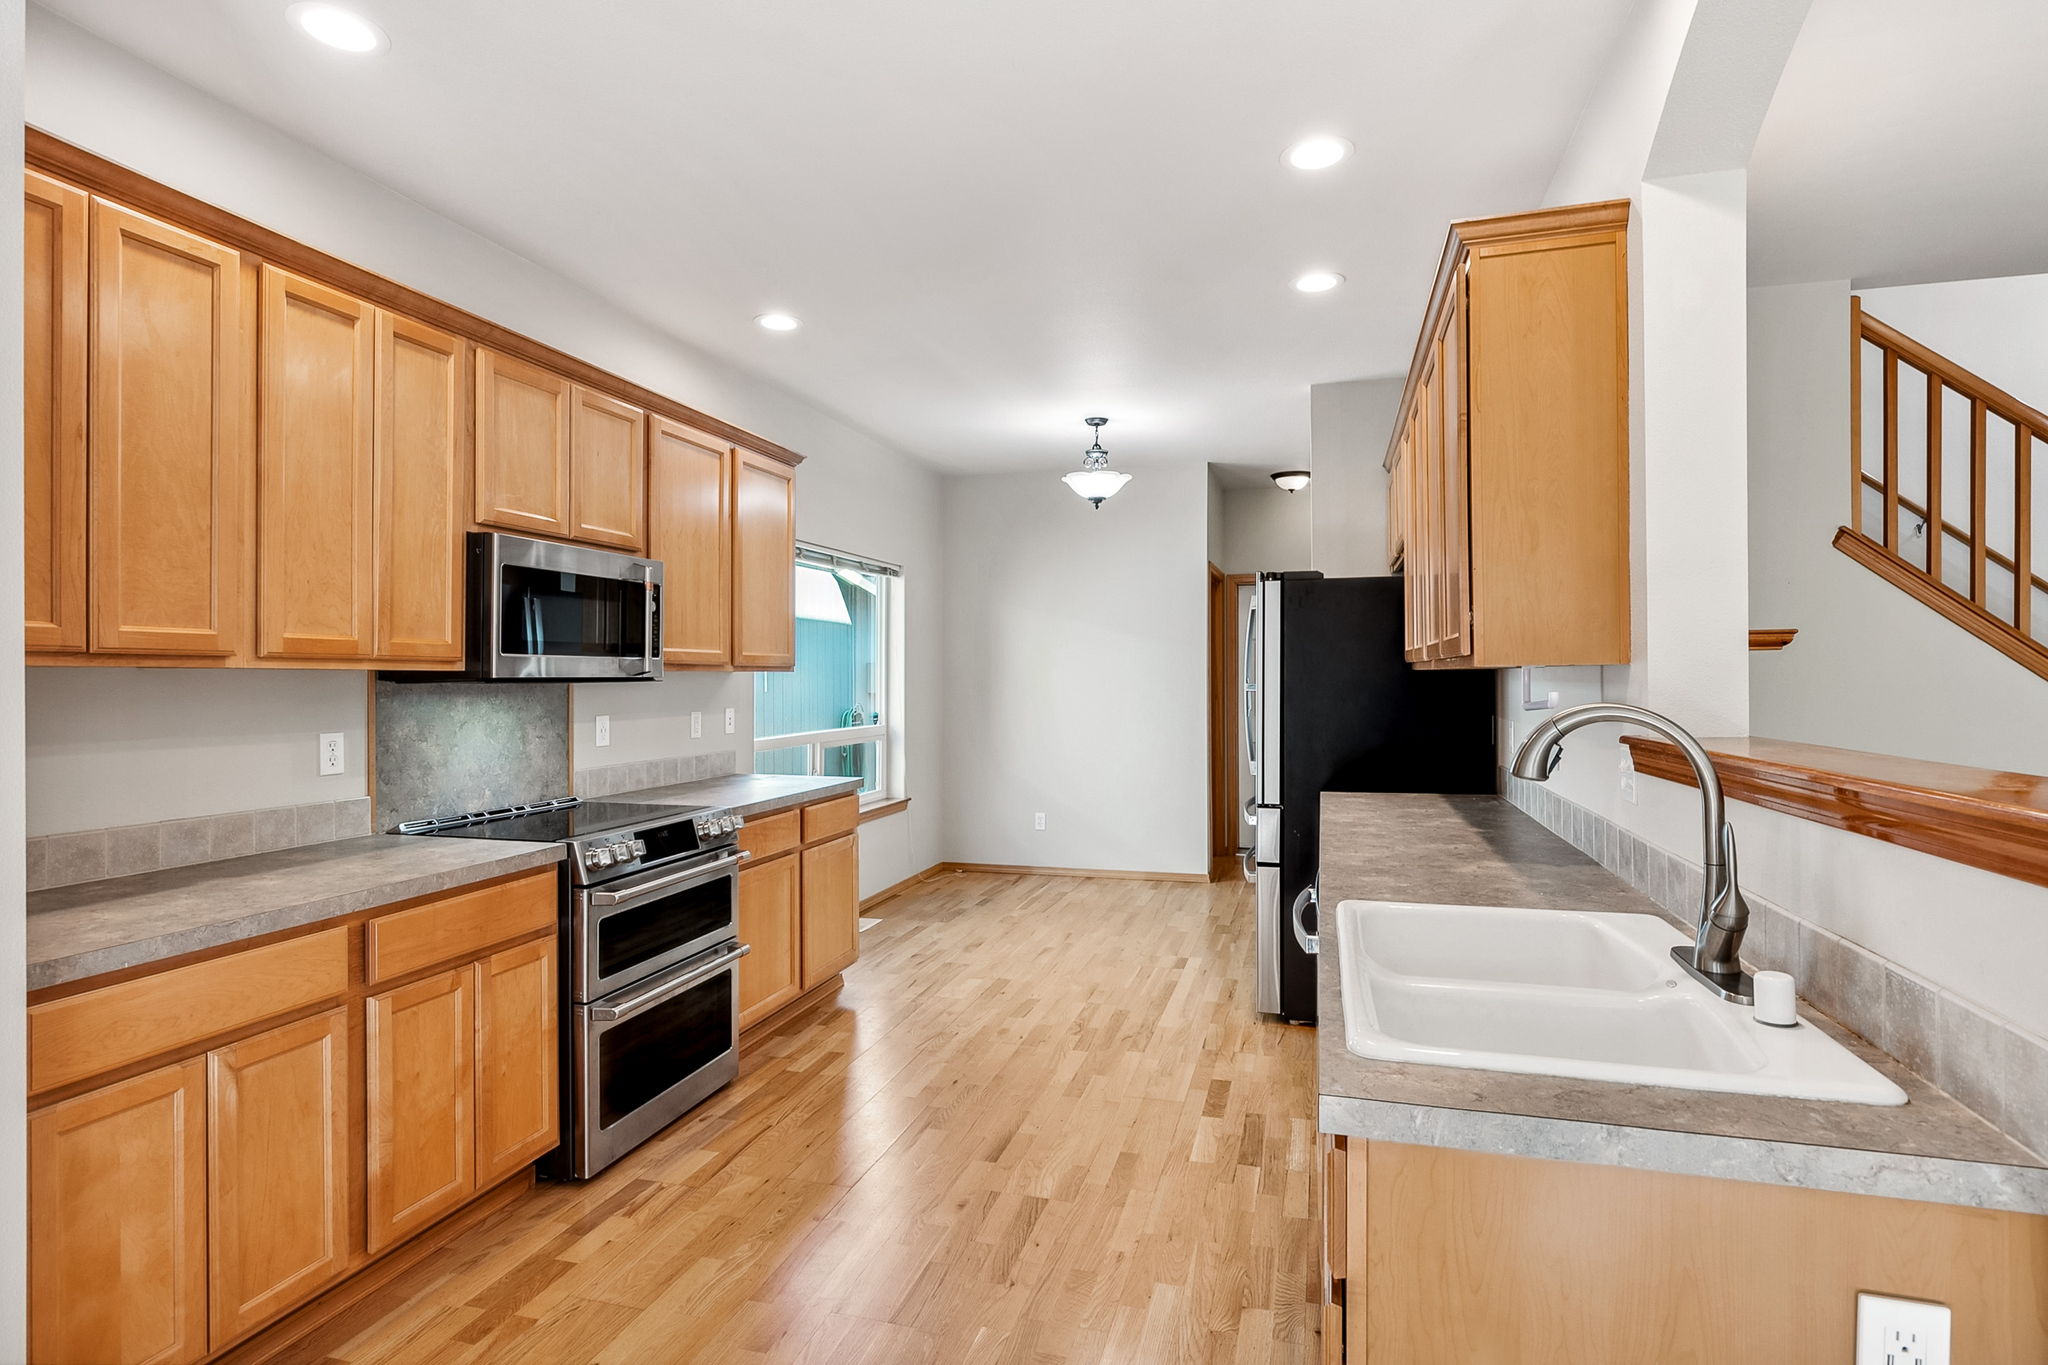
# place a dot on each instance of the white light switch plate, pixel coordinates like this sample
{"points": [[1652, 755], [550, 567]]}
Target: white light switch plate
{"points": [[1900, 1331], [330, 755], [1038, 820], [604, 731], [1628, 778], [732, 719], [696, 725]]}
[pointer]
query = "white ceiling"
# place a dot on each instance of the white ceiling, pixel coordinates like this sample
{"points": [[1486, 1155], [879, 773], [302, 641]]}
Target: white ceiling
{"points": [[1907, 142], [994, 217]]}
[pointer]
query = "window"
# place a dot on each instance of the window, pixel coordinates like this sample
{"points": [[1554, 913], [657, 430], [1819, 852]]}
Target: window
{"points": [[834, 714]]}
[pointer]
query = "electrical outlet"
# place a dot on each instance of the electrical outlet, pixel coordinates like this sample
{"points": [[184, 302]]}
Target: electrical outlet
{"points": [[1900, 1331], [603, 726], [1038, 820], [732, 719], [1628, 778], [330, 755], [696, 725]]}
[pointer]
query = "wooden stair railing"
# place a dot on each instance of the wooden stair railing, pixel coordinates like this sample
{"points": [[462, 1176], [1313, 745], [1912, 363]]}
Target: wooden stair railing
{"points": [[1902, 360]]}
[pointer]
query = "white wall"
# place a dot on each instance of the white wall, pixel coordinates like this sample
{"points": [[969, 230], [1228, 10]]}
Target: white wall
{"points": [[120, 746], [1266, 529], [1349, 424], [1997, 328], [1868, 657], [1076, 672], [13, 945], [853, 490], [652, 720]]}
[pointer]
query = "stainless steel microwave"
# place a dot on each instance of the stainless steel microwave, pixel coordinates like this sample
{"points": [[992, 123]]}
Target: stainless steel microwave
{"points": [[540, 611]]}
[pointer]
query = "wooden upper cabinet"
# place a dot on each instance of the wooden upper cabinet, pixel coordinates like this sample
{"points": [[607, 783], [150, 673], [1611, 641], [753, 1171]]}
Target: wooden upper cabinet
{"points": [[53, 412], [689, 529], [169, 448], [1512, 447], [420, 1067], [522, 445], [117, 1223], [763, 562], [608, 472], [315, 591], [422, 470], [518, 1107], [277, 1130], [831, 894]]}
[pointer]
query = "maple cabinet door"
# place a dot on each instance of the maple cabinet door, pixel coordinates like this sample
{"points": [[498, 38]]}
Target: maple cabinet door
{"points": [[421, 1070], [763, 563], [53, 410], [831, 890], [421, 461], [518, 1104], [608, 472], [771, 924], [689, 529], [522, 445]]}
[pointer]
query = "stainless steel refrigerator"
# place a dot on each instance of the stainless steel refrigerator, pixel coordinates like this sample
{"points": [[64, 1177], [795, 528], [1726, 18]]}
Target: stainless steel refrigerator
{"points": [[1332, 705]]}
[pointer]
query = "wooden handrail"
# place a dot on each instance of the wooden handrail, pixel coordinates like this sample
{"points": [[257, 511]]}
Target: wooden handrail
{"points": [[2001, 559], [2010, 632]]}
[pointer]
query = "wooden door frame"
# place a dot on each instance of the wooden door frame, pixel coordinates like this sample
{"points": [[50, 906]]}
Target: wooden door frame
{"points": [[1223, 728]]}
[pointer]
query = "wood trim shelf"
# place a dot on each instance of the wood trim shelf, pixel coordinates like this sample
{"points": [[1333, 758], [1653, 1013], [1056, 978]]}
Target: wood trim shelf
{"points": [[1994, 820], [882, 809], [1772, 639], [76, 166]]}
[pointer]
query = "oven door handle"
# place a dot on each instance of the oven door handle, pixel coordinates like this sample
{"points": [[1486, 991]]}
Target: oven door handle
{"points": [[669, 986], [607, 899]]}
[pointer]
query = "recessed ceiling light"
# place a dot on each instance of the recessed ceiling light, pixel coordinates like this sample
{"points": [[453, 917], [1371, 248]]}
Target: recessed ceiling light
{"points": [[1317, 153], [338, 28], [1318, 281], [778, 322]]}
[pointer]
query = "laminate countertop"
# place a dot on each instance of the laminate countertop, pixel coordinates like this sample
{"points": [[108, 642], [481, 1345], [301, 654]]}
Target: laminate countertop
{"points": [[745, 794], [1480, 850], [93, 927]]}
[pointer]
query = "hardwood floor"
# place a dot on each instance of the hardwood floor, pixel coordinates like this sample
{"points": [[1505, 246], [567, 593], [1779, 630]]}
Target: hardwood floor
{"points": [[1041, 1124]]}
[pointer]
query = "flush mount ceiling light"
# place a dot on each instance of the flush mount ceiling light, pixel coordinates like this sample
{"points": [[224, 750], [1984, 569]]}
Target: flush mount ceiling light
{"points": [[778, 322], [1095, 480], [1317, 153], [1318, 281], [338, 28], [1293, 480]]}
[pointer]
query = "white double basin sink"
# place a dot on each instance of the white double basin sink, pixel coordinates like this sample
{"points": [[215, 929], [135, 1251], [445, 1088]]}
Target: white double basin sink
{"points": [[1580, 994]]}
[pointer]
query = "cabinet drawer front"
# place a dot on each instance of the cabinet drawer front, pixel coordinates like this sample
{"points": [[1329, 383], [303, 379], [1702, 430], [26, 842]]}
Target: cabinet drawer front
{"points": [[84, 1035], [764, 836], [827, 819], [461, 926]]}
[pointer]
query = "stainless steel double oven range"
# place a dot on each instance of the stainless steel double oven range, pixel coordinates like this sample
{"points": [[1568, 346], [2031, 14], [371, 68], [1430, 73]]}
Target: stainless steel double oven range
{"points": [[650, 957]]}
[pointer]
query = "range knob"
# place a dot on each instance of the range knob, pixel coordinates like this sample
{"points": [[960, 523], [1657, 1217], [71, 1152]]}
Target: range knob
{"points": [[622, 851], [725, 825], [639, 848], [601, 856]]}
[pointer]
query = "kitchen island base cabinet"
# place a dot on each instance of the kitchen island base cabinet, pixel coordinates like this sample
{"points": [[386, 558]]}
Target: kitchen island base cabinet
{"points": [[117, 1219], [1434, 1256], [277, 1129]]}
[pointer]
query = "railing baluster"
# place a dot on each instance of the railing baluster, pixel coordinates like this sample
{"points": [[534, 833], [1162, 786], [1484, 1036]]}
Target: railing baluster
{"points": [[1935, 534], [1977, 500], [2023, 529], [1891, 450], [1856, 413]]}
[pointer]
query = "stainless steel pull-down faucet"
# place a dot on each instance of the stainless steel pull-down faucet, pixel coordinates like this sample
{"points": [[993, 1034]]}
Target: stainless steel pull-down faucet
{"points": [[1714, 958]]}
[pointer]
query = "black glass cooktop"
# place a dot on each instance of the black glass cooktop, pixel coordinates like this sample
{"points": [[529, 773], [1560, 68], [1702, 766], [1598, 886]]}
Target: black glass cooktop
{"points": [[557, 826]]}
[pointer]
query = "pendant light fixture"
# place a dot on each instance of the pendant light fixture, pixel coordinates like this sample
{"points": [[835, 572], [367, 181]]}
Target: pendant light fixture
{"points": [[1095, 480], [1293, 480]]}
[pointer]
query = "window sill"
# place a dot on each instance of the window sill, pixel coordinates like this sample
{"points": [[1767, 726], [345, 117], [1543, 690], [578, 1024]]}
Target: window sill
{"points": [[879, 807], [1994, 820]]}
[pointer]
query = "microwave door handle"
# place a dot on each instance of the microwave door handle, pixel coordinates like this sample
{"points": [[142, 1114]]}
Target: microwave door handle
{"points": [[652, 648]]}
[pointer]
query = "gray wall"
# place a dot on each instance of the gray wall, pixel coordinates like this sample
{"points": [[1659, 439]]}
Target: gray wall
{"points": [[1348, 428]]}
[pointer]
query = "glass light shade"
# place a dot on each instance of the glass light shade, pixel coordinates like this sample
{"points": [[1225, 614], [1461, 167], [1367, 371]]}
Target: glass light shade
{"points": [[1293, 480], [1096, 484]]}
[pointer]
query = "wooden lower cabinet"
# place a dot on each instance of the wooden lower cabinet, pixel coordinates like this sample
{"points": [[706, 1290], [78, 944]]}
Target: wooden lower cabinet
{"points": [[831, 908], [1446, 1256], [420, 1070], [278, 1173], [518, 1106], [117, 1223], [771, 924]]}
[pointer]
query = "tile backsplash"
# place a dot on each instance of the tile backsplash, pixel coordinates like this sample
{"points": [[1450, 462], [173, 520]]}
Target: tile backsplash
{"points": [[1989, 1063], [122, 851], [614, 779]]}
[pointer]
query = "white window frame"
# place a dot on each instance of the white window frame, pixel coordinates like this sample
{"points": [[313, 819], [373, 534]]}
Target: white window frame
{"points": [[887, 734]]}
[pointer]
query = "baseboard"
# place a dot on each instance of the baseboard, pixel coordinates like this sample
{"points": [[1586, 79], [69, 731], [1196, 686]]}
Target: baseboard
{"points": [[890, 893], [1111, 874], [303, 1334]]}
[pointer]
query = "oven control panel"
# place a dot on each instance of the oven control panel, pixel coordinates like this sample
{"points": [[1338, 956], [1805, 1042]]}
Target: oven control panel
{"points": [[614, 853], [609, 852]]}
